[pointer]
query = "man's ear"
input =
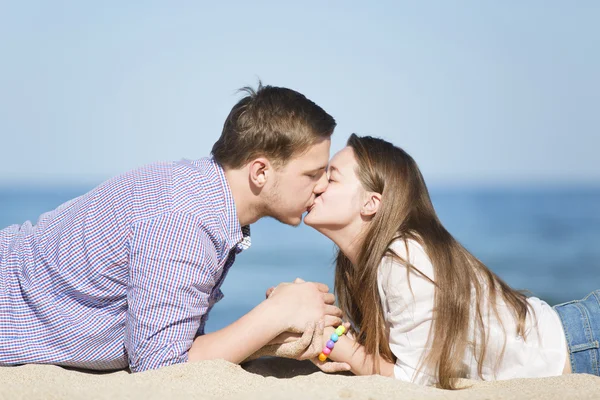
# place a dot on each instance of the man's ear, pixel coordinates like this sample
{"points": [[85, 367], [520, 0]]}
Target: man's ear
{"points": [[371, 204], [259, 171]]}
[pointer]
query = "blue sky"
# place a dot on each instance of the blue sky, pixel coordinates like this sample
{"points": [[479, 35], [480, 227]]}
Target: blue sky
{"points": [[488, 93]]}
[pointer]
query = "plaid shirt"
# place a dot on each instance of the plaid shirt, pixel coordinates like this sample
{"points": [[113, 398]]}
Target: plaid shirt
{"points": [[124, 275]]}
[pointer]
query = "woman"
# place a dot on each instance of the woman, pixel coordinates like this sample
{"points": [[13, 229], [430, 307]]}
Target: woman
{"points": [[422, 308]]}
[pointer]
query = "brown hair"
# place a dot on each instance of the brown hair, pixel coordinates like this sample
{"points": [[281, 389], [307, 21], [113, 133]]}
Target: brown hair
{"points": [[406, 213], [274, 122]]}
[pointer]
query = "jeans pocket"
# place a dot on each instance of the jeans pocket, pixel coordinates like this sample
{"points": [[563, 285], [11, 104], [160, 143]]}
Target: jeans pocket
{"points": [[566, 303], [585, 346]]}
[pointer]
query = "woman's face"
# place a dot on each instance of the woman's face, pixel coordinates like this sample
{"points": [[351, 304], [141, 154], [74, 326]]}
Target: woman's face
{"points": [[339, 206]]}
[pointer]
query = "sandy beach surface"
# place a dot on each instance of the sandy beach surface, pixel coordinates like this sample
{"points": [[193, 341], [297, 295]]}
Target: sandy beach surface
{"points": [[265, 379]]}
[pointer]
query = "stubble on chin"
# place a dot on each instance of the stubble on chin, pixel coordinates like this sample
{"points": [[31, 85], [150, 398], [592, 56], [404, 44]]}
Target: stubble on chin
{"points": [[272, 206]]}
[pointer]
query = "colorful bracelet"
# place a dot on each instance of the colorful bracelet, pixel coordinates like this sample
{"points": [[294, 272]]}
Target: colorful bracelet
{"points": [[339, 331]]}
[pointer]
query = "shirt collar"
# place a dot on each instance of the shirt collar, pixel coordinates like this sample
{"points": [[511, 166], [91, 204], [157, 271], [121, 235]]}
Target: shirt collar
{"points": [[238, 237]]}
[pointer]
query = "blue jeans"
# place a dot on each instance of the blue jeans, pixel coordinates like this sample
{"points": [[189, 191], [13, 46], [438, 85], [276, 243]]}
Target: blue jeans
{"points": [[581, 323]]}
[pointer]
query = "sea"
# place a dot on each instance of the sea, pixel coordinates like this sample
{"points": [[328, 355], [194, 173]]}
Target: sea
{"points": [[545, 240]]}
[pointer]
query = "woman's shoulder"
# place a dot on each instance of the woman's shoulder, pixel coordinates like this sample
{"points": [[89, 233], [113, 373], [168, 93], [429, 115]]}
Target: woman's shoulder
{"points": [[408, 250], [403, 251], [404, 247]]}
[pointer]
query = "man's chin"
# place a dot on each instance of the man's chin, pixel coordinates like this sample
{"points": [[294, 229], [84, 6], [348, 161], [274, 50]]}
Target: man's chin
{"points": [[292, 221]]}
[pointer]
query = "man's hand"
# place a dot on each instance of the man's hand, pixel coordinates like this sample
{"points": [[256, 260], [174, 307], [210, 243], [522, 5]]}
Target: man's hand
{"points": [[301, 303]]}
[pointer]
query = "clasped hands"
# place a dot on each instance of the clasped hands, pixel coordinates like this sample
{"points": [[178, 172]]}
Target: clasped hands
{"points": [[308, 310]]}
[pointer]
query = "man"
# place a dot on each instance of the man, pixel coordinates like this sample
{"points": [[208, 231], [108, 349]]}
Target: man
{"points": [[126, 275]]}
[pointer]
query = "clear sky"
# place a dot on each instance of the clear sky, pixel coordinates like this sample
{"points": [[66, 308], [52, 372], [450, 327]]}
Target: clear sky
{"points": [[479, 92]]}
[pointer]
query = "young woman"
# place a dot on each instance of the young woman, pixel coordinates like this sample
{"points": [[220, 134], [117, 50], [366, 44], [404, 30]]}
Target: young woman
{"points": [[422, 308]]}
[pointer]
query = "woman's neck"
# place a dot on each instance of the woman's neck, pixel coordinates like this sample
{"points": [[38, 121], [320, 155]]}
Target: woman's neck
{"points": [[348, 239]]}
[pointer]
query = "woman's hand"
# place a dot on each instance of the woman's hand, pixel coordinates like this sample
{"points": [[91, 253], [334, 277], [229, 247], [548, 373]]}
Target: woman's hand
{"points": [[330, 366], [285, 337], [292, 345], [307, 346]]}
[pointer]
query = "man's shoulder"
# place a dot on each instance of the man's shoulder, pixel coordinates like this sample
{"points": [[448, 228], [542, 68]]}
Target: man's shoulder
{"points": [[199, 187], [194, 188], [149, 175], [143, 192]]}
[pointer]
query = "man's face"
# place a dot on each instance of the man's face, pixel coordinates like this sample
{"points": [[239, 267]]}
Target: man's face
{"points": [[298, 183]]}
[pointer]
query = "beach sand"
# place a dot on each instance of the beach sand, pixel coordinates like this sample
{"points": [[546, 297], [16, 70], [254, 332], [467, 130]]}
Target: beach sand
{"points": [[265, 379]]}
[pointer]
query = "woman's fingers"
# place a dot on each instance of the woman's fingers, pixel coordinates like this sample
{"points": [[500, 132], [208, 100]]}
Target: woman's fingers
{"points": [[322, 287], [329, 298], [333, 316], [331, 366], [333, 310], [332, 321], [307, 336], [286, 337], [316, 343], [297, 348]]}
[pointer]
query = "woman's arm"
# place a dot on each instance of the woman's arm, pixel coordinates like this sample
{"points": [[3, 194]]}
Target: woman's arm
{"points": [[348, 351]]}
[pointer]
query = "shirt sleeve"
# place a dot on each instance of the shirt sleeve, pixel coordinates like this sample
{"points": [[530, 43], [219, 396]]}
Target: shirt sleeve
{"points": [[407, 301], [171, 276]]}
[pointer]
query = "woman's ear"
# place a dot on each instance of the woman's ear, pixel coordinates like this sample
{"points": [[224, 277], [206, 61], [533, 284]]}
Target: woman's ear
{"points": [[371, 204], [259, 170]]}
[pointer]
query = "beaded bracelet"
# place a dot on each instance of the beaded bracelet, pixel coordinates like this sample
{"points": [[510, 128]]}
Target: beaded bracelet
{"points": [[340, 330]]}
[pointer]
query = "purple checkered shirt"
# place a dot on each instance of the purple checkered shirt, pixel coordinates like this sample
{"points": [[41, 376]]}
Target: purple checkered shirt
{"points": [[124, 275]]}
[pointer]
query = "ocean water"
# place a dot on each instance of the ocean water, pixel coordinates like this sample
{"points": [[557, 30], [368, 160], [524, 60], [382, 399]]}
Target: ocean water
{"points": [[544, 240]]}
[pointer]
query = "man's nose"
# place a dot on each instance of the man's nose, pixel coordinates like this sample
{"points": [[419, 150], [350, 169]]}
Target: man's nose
{"points": [[321, 185]]}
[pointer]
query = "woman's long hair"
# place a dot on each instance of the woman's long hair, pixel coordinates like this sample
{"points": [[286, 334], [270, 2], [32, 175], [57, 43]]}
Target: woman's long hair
{"points": [[406, 212]]}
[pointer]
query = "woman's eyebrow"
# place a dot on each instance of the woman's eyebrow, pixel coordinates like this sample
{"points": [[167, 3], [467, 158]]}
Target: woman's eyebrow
{"points": [[332, 168]]}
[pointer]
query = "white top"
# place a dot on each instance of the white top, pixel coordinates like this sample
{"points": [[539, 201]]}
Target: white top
{"points": [[409, 319]]}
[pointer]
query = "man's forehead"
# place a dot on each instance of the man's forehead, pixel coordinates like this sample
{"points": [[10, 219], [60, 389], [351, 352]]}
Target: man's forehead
{"points": [[308, 165], [317, 156], [320, 164]]}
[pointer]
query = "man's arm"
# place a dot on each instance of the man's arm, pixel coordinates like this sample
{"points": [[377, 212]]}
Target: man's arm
{"points": [[293, 308], [242, 338], [172, 268], [171, 276]]}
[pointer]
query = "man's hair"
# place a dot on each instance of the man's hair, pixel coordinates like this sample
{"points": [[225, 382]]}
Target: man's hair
{"points": [[273, 122]]}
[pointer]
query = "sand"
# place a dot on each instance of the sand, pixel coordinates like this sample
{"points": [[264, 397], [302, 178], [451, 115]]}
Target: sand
{"points": [[265, 379]]}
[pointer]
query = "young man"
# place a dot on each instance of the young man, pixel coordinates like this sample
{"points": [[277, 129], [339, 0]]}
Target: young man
{"points": [[126, 275]]}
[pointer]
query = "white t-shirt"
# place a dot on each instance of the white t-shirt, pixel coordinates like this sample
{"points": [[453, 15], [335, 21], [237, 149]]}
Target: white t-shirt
{"points": [[409, 319]]}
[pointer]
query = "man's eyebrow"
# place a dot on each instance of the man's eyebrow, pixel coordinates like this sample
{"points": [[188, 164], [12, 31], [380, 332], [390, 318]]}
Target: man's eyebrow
{"points": [[318, 169]]}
